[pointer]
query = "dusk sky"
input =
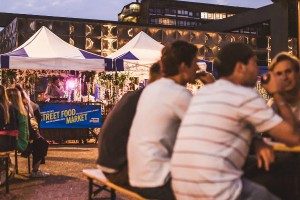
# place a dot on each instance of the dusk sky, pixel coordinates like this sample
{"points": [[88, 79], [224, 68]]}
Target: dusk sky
{"points": [[95, 9]]}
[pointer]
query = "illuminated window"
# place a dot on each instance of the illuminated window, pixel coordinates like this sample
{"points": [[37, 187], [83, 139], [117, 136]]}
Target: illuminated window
{"points": [[217, 16], [166, 21], [203, 15], [210, 15]]}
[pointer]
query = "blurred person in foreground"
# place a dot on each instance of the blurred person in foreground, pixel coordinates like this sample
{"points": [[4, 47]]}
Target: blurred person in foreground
{"points": [[155, 124], [215, 134], [113, 138], [281, 177]]}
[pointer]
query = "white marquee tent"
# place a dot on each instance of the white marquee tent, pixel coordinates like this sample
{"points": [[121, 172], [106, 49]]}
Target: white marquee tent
{"points": [[44, 50], [145, 49]]}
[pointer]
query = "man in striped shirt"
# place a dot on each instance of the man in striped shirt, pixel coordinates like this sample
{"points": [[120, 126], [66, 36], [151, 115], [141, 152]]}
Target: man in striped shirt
{"points": [[214, 136]]}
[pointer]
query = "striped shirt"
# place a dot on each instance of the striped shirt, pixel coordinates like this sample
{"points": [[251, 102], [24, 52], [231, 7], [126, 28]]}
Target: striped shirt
{"points": [[214, 138]]}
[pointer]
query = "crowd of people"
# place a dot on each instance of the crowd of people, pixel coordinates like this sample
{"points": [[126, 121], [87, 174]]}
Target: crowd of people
{"points": [[20, 115], [163, 143]]}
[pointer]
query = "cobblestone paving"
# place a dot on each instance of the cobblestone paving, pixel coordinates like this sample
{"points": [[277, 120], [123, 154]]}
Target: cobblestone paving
{"points": [[65, 164]]}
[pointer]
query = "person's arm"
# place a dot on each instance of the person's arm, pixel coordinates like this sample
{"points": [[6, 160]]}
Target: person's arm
{"points": [[285, 133], [47, 92]]}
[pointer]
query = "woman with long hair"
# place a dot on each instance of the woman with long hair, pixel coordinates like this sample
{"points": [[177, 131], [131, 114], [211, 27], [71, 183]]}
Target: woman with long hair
{"points": [[8, 131], [14, 97], [8, 123]]}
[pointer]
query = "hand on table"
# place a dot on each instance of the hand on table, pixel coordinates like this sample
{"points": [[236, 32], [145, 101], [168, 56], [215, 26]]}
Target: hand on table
{"points": [[264, 154]]}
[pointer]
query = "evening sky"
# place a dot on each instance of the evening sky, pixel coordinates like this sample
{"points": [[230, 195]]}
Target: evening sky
{"points": [[96, 9]]}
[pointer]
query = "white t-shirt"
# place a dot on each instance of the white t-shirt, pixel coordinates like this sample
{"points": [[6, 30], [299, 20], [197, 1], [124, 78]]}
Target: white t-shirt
{"points": [[153, 132], [213, 140]]}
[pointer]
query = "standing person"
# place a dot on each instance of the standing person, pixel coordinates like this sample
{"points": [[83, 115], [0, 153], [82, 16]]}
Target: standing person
{"points": [[283, 171], [158, 115], [54, 90], [114, 134], [215, 134], [14, 97]]}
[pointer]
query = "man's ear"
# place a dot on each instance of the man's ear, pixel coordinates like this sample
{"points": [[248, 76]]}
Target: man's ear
{"points": [[182, 67], [240, 67]]}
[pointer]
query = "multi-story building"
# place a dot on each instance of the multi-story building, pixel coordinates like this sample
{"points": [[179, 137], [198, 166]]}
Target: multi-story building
{"points": [[176, 13], [105, 37]]}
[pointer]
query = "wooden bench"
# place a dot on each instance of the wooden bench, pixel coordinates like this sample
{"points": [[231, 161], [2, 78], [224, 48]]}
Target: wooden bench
{"points": [[5, 157], [106, 185]]}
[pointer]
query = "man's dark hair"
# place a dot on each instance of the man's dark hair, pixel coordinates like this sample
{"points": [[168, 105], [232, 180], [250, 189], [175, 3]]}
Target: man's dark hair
{"points": [[175, 54], [54, 79], [155, 68], [229, 55], [154, 72]]}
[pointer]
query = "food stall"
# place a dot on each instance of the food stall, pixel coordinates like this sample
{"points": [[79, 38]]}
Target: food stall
{"points": [[46, 55]]}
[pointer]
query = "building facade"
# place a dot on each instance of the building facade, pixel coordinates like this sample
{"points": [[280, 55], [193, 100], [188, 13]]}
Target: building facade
{"points": [[176, 13], [105, 37]]}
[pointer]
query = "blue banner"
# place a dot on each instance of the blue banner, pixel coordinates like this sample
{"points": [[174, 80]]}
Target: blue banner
{"points": [[70, 116]]}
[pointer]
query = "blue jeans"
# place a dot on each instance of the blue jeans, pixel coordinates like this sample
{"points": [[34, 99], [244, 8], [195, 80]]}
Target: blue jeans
{"points": [[253, 191]]}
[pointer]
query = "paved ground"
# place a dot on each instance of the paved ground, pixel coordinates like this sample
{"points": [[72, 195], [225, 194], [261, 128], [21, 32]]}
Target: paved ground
{"points": [[65, 164]]}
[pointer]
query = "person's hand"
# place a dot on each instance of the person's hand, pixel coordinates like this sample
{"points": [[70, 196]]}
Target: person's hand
{"points": [[264, 154], [205, 77], [274, 85]]}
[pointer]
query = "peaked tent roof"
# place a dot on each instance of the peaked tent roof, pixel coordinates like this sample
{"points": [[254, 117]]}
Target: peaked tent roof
{"points": [[45, 50], [143, 47]]}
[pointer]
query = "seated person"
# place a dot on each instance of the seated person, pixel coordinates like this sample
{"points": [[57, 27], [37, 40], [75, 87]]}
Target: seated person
{"points": [[283, 172], [115, 132]]}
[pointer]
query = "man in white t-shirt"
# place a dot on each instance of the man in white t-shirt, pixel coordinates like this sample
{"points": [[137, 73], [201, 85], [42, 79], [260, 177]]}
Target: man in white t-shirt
{"points": [[214, 136], [155, 125]]}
